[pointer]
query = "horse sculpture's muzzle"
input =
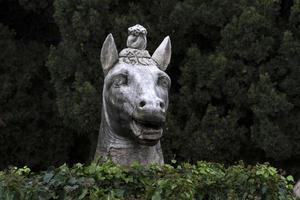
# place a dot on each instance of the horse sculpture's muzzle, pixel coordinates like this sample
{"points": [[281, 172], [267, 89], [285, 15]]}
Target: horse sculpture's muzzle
{"points": [[148, 121]]}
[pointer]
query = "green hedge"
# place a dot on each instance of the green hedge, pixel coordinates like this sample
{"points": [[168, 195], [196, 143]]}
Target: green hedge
{"points": [[108, 181]]}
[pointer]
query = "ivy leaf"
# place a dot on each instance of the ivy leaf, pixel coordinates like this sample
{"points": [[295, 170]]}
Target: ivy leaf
{"points": [[48, 177], [83, 194], [156, 196], [290, 178]]}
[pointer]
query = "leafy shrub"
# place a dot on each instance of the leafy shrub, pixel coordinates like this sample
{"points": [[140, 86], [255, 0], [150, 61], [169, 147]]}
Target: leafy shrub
{"points": [[106, 180]]}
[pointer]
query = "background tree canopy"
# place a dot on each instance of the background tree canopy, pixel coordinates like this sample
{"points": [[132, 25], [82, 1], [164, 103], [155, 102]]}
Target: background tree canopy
{"points": [[235, 74]]}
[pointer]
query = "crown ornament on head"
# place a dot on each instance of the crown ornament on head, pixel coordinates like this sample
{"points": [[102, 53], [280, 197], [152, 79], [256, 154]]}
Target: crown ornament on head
{"points": [[137, 37], [135, 53]]}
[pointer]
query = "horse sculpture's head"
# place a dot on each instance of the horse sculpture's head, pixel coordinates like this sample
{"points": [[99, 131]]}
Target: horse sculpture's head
{"points": [[135, 91]]}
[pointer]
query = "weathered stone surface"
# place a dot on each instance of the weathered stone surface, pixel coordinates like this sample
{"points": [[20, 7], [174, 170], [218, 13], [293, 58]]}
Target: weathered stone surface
{"points": [[135, 100], [297, 189]]}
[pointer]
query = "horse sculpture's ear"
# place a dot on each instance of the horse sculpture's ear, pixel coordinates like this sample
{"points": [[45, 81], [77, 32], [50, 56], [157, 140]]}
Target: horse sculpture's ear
{"points": [[162, 54], [109, 54]]}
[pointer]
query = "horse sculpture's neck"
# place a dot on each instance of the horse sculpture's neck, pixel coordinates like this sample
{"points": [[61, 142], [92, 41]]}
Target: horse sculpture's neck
{"points": [[125, 151]]}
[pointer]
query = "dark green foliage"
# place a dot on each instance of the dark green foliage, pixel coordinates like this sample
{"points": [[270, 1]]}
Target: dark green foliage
{"points": [[251, 30], [267, 104], [30, 131], [36, 5], [235, 101], [108, 181]]}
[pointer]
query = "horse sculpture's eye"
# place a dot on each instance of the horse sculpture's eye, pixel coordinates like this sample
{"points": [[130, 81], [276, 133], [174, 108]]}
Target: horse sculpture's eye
{"points": [[119, 80], [164, 82]]}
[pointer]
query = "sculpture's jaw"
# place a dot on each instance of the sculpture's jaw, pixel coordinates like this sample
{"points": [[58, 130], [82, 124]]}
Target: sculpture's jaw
{"points": [[146, 132]]}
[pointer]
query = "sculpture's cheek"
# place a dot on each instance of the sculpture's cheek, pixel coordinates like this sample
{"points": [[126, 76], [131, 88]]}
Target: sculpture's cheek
{"points": [[120, 102], [119, 111]]}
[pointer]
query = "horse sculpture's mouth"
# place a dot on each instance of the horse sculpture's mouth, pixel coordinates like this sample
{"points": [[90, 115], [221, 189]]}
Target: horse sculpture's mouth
{"points": [[147, 132]]}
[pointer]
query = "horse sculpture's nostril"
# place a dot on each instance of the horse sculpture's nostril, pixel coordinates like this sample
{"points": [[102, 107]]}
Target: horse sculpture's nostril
{"points": [[162, 105], [142, 104]]}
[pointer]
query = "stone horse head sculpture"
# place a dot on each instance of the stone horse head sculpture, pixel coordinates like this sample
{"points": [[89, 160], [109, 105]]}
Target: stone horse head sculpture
{"points": [[135, 99]]}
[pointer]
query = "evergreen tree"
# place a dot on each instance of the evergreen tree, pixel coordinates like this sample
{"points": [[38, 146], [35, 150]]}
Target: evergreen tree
{"points": [[30, 131]]}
